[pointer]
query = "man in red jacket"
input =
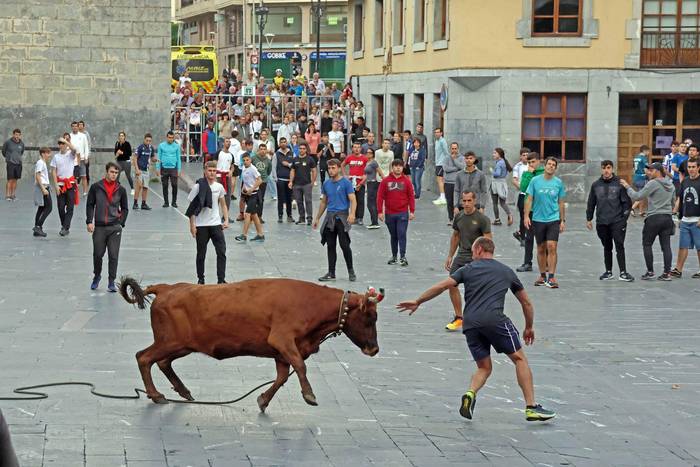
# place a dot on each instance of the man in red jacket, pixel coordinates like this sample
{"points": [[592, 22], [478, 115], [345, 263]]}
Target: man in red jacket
{"points": [[356, 163], [397, 195]]}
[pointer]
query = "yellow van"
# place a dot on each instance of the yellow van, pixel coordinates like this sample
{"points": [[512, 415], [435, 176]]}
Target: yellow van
{"points": [[199, 61]]}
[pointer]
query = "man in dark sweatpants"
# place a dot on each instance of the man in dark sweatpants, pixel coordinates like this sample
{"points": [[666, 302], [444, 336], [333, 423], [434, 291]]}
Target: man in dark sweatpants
{"points": [[612, 206], [106, 212]]}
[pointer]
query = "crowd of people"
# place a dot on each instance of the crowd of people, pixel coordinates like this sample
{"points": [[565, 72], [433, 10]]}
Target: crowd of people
{"points": [[382, 176]]}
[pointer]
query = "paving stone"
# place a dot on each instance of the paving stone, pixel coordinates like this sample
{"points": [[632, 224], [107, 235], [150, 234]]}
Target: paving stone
{"points": [[604, 353]]}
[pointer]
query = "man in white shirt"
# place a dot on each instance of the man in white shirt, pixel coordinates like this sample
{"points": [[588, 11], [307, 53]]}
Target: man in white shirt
{"points": [[518, 170], [67, 195], [318, 83], [249, 196], [284, 130], [42, 194], [224, 163], [81, 128], [335, 137], [80, 143], [206, 209]]}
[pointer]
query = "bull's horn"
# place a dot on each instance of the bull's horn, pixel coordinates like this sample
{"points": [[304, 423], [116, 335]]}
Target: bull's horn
{"points": [[373, 299], [380, 297]]}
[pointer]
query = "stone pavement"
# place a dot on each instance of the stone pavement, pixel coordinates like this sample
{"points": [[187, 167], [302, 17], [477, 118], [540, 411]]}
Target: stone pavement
{"points": [[618, 362]]}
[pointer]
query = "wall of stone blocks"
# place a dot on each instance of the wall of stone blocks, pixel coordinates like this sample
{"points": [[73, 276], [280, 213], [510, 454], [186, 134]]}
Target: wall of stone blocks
{"points": [[103, 61], [490, 116]]}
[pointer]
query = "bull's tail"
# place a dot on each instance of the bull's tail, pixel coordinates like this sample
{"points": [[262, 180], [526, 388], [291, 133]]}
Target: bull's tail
{"points": [[132, 292]]}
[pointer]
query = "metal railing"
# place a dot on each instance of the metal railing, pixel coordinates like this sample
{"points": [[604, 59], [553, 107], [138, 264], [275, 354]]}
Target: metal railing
{"points": [[670, 49]]}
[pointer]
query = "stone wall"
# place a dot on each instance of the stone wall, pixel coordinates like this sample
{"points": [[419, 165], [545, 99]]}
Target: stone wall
{"points": [[106, 62]]}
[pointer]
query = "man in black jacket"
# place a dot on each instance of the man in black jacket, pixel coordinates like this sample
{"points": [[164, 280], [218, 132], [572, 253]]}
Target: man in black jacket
{"points": [[106, 212], [612, 207]]}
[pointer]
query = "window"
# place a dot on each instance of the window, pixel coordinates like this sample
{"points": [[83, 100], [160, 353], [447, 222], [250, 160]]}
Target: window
{"points": [[670, 33], [440, 18], [285, 23], [397, 25], [419, 21], [418, 109], [235, 31], [184, 3], [358, 17], [555, 125], [556, 17], [334, 23], [378, 24]]}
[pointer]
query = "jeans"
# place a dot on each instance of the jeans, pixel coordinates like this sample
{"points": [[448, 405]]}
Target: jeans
{"points": [[261, 197], [302, 195], [333, 237], [284, 198], [360, 196], [372, 189], [398, 226], [609, 234], [169, 176], [216, 234], [272, 187], [450, 197], [125, 167], [658, 225], [42, 212], [416, 176], [106, 238], [65, 202]]}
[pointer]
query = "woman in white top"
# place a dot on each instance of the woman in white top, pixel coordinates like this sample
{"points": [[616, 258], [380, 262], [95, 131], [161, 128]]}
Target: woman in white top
{"points": [[42, 192]]}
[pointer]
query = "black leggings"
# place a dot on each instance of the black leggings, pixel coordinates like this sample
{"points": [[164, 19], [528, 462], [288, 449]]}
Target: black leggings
{"points": [[495, 201], [609, 234], [333, 237], [284, 198], [657, 225], [521, 211], [372, 188], [450, 196], [125, 167], [42, 212], [169, 176]]}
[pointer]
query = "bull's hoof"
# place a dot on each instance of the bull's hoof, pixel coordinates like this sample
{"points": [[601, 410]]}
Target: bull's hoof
{"points": [[310, 399], [159, 399], [262, 403], [184, 393]]}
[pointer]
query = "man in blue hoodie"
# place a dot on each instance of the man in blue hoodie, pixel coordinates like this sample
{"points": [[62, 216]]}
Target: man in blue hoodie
{"points": [[169, 167]]}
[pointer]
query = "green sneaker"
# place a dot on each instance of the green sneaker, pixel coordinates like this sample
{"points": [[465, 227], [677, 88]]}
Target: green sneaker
{"points": [[466, 410], [537, 413]]}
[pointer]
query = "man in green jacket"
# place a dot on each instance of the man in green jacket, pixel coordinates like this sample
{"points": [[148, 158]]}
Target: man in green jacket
{"points": [[263, 163], [533, 169]]}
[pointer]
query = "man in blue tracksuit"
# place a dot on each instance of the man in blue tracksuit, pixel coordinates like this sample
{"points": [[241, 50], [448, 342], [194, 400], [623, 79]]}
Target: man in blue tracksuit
{"points": [[169, 167]]}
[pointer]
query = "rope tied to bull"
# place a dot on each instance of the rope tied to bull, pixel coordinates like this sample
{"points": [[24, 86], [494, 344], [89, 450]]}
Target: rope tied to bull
{"points": [[32, 394]]}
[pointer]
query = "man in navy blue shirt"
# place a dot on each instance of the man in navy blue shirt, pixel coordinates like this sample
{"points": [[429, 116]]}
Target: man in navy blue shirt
{"points": [[141, 160], [340, 201], [486, 283]]}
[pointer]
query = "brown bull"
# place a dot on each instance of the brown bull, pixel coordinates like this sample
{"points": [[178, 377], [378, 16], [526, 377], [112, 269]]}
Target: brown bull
{"points": [[283, 319]]}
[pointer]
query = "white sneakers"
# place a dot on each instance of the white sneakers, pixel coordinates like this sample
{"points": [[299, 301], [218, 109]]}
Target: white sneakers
{"points": [[132, 192], [440, 200]]}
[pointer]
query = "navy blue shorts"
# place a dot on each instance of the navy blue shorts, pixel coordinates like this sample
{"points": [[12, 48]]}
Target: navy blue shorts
{"points": [[504, 338]]}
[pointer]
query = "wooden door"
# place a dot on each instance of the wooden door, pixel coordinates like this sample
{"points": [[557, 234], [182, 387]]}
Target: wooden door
{"points": [[630, 138]]}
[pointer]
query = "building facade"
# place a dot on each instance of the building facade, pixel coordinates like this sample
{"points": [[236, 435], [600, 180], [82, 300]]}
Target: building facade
{"points": [[289, 37], [76, 61], [582, 80]]}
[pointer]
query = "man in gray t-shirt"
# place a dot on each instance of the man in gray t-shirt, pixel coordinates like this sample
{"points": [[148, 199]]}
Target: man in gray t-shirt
{"points": [[486, 283]]}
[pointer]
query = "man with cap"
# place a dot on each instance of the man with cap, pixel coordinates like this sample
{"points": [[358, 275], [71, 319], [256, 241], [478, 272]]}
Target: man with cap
{"points": [[63, 174], [13, 150]]}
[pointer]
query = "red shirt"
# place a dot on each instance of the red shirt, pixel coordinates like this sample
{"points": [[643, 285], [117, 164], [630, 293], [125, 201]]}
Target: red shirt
{"points": [[396, 193], [357, 164]]}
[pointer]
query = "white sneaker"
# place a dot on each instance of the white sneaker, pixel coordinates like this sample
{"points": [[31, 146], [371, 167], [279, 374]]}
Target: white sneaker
{"points": [[132, 192], [84, 194], [274, 198], [440, 200]]}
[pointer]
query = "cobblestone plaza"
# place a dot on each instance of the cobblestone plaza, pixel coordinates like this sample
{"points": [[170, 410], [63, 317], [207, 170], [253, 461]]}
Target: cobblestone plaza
{"points": [[618, 362]]}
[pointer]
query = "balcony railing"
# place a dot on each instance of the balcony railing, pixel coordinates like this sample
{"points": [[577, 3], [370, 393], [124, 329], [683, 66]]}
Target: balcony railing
{"points": [[670, 49]]}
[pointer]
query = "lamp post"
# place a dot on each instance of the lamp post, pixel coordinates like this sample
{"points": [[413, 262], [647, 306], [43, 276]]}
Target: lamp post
{"points": [[261, 12], [318, 11]]}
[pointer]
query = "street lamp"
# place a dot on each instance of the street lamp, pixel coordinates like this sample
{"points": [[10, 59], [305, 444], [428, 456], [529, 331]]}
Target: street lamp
{"points": [[318, 11], [261, 11]]}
